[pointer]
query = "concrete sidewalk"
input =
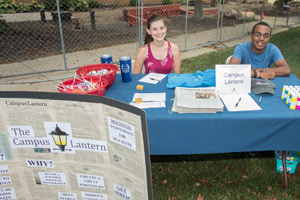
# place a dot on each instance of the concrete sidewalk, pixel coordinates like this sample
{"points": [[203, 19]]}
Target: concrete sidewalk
{"points": [[47, 82]]}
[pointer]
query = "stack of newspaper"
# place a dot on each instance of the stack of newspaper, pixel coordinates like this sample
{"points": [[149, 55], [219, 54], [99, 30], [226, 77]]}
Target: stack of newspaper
{"points": [[197, 100]]}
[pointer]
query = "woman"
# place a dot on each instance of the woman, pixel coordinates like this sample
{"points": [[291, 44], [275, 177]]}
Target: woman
{"points": [[158, 54]]}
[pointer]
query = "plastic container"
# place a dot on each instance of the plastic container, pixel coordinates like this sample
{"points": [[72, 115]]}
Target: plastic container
{"points": [[110, 76], [84, 85], [292, 160]]}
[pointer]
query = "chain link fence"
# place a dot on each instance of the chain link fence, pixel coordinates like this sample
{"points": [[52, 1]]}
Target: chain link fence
{"points": [[58, 35]]}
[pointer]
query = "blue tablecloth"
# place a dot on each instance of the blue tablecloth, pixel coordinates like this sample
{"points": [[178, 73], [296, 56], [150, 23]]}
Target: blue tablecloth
{"points": [[275, 127]]}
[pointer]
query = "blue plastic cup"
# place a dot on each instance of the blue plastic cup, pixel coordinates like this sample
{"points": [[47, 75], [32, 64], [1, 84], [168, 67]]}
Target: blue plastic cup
{"points": [[106, 59], [125, 65]]}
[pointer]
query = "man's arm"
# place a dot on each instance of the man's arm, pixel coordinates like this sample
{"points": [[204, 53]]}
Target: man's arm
{"points": [[259, 73], [281, 68]]}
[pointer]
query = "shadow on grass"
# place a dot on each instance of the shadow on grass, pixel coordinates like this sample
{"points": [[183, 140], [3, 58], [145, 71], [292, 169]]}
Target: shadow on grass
{"points": [[209, 157]]}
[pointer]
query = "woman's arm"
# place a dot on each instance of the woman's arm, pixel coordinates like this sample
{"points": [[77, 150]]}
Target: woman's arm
{"points": [[176, 58], [139, 60]]}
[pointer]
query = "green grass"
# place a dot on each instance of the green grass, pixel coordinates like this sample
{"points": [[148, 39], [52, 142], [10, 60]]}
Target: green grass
{"points": [[233, 175]]}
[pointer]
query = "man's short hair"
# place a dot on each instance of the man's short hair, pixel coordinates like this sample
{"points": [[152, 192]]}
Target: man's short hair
{"points": [[263, 24]]}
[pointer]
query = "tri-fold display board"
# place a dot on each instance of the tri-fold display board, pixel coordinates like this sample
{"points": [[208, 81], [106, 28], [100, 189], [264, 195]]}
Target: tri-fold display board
{"points": [[72, 147]]}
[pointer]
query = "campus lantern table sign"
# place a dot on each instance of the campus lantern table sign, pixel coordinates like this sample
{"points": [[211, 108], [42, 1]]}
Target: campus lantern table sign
{"points": [[233, 78], [59, 137], [234, 85]]}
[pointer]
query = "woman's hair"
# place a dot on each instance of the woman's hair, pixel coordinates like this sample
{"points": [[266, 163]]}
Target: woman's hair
{"points": [[153, 18]]}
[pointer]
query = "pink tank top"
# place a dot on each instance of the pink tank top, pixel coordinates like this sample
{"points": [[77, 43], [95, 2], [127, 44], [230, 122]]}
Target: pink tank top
{"points": [[164, 66]]}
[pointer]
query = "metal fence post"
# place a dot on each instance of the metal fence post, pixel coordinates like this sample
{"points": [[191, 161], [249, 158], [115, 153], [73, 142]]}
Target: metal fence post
{"points": [[92, 15], [186, 24], [276, 16], [262, 10], [243, 30], [43, 17], [220, 39], [288, 16], [61, 34]]}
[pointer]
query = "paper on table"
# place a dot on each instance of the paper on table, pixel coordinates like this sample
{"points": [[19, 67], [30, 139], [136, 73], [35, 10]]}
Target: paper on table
{"points": [[149, 96], [152, 78], [245, 104], [151, 104]]}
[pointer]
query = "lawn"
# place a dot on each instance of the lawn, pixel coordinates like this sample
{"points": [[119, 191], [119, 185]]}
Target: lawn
{"points": [[232, 175]]}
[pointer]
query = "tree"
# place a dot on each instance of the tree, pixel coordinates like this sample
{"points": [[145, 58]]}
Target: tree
{"points": [[198, 9]]}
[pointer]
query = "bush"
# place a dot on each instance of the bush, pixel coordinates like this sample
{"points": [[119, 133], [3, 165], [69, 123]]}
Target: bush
{"points": [[35, 6], [73, 5], [94, 4], [21, 8], [50, 5], [133, 2], [7, 6], [78, 5]]}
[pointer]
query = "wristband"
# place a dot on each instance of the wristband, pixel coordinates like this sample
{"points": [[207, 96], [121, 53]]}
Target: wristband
{"points": [[254, 73], [257, 72]]}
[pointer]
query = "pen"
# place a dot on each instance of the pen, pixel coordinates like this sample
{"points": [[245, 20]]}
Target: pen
{"points": [[154, 79], [237, 104], [259, 100]]}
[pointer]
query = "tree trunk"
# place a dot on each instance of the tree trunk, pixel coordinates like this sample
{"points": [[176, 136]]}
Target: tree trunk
{"points": [[198, 11]]}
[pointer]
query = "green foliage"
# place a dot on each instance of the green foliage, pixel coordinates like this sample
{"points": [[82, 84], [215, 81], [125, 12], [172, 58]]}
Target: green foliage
{"points": [[35, 6], [166, 2], [21, 8], [7, 6], [50, 5], [79, 5], [94, 4], [73, 5], [133, 2]]}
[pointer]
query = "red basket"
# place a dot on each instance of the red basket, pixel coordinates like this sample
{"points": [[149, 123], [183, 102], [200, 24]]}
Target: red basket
{"points": [[111, 76], [77, 86]]}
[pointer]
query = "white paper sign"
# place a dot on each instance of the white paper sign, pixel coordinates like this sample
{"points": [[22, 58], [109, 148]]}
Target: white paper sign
{"points": [[90, 181], [19, 142], [67, 196], [233, 79], [93, 196], [40, 163], [88, 145], [4, 169], [7, 193], [53, 178], [122, 192], [122, 133], [5, 180], [20, 131]]}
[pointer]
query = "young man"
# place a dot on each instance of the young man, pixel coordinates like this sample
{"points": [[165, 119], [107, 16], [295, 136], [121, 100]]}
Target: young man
{"points": [[261, 54]]}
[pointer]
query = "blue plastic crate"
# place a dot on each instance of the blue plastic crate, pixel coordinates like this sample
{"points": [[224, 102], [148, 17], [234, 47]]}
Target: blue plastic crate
{"points": [[292, 160]]}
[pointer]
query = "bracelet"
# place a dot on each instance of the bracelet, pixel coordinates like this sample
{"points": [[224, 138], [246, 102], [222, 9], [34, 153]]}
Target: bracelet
{"points": [[254, 73], [257, 73]]}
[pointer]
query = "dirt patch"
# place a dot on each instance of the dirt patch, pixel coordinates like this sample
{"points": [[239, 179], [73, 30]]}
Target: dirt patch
{"points": [[29, 40]]}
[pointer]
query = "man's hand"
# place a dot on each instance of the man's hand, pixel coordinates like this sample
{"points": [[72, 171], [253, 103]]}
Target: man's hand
{"points": [[267, 74]]}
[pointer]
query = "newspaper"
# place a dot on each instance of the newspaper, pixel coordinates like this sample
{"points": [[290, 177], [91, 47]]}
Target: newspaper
{"points": [[103, 158], [197, 100]]}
